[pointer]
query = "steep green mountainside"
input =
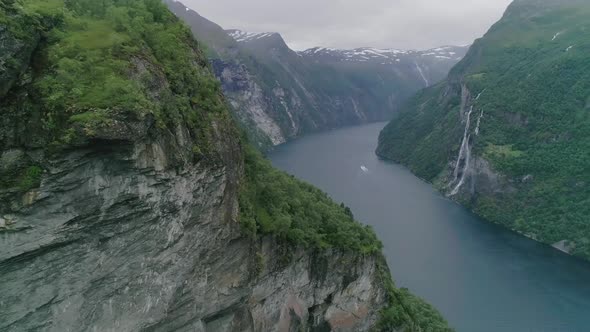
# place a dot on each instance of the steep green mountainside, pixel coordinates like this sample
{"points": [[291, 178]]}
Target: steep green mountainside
{"points": [[508, 133], [280, 94], [75, 79], [128, 201]]}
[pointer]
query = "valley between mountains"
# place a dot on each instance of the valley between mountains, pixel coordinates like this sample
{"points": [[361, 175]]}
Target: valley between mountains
{"points": [[279, 94]]}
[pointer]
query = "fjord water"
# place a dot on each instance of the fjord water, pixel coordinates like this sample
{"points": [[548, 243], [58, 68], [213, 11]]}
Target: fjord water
{"points": [[482, 277]]}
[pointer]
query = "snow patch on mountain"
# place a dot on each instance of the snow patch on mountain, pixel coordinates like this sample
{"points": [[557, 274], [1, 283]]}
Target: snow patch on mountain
{"points": [[243, 36], [383, 56], [365, 53]]}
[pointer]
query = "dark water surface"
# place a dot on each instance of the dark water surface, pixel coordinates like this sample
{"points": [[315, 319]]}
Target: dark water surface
{"points": [[482, 277]]}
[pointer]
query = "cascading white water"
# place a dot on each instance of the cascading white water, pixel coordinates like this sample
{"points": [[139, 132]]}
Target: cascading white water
{"points": [[478, 123], [455, 190], [479, 94], [464, 145], [465, 151], [422, 74]]}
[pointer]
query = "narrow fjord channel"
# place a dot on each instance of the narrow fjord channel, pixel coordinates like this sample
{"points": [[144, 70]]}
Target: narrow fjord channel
{"points": [[482, 277]]}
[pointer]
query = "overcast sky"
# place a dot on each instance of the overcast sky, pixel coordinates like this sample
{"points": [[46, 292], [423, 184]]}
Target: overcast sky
{"points": [[403, 24]]}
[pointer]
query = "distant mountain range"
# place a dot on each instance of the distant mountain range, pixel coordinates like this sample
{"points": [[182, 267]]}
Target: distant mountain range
{"points": [[279, 94], [430, 65], [383, 56]]}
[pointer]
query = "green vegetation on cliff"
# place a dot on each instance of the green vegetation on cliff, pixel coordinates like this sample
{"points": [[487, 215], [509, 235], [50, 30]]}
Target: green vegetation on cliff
{"points": [[532, 74], [273, 202], [95, 67], [101, 59]]}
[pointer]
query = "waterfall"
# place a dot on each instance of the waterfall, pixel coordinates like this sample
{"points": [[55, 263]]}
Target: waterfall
{"points": [[479, 94], [464, 145], [422, 74], [455, 191], [465, 151], [478, 123]]}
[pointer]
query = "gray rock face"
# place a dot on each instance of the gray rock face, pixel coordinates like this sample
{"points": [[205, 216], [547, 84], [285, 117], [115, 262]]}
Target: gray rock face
{"points": [[330, 290], [105, 243], [246, 94], [126, 236]]}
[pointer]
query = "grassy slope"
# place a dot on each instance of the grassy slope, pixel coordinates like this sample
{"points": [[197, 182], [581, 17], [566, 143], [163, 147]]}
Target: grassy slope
{"points": [[83, 78], [86, 66], [536, 124]]}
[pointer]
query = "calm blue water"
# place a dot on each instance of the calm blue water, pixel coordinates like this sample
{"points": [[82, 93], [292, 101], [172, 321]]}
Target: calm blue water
{"points": [[482, 277]]}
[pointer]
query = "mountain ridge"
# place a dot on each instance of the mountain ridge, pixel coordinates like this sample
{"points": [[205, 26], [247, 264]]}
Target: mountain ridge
{"points": [[358, 53], [280, 94]]}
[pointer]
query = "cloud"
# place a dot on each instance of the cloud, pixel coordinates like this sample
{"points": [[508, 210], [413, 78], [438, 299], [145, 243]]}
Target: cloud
{"points": [[404, 24]]}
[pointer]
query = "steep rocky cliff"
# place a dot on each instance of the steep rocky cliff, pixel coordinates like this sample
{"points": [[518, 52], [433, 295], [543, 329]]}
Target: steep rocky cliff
{"points": [[122, 193], [507, 134], [279, 94]]}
